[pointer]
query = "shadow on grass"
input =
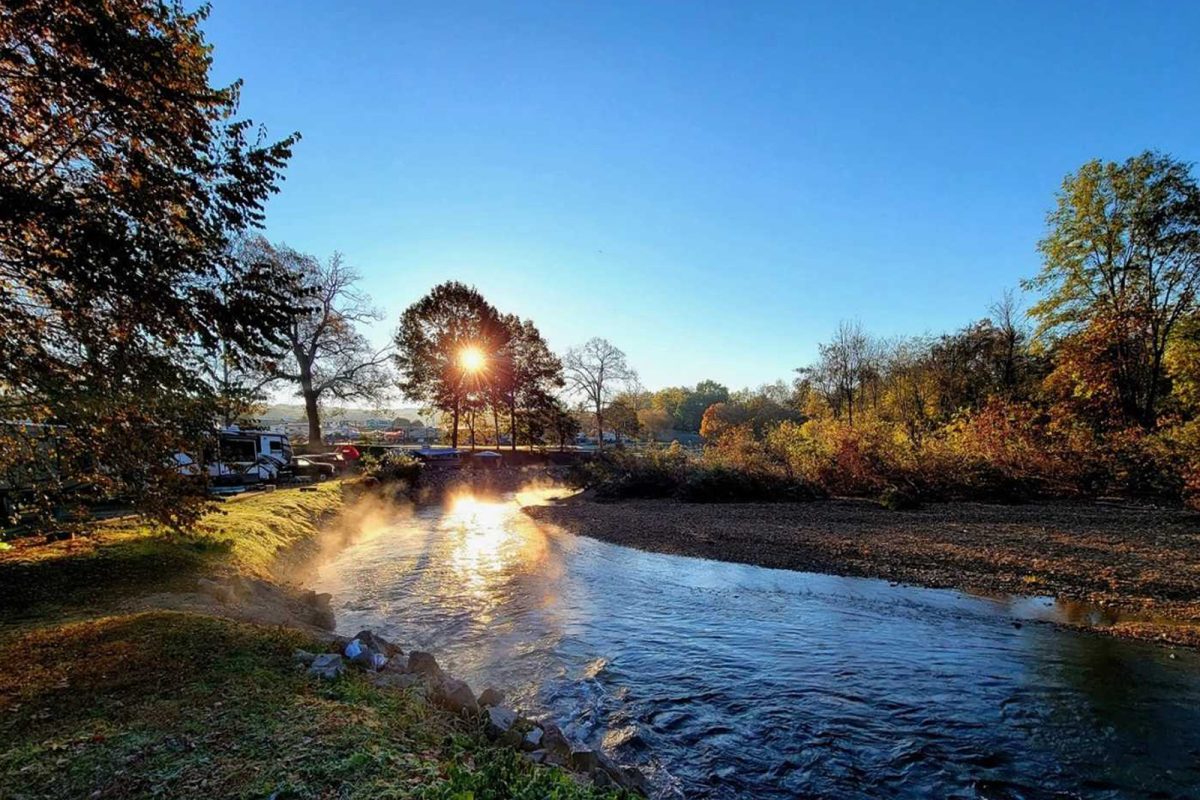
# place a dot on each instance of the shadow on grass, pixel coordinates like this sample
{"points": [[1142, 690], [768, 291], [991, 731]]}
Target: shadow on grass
{"points": [[181, 705], [95, 575]]}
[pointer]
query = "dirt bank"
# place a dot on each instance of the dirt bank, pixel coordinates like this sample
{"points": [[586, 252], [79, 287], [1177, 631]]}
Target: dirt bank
{"points": [[1141, 564]]}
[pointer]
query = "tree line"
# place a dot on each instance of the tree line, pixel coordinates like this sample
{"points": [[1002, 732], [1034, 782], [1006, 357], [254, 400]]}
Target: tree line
{"points": [[1092, 390], [139, 304]]}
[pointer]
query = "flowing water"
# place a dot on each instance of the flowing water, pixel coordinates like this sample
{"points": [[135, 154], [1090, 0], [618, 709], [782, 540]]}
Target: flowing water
{"points": [[725, 680]]}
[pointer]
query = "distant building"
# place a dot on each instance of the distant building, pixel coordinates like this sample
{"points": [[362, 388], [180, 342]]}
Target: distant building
{"points": [[419, 433], [288, 426]]}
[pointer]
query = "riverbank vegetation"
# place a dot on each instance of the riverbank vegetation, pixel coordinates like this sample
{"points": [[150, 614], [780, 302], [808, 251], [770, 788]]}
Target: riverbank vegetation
{"points": [[1091, 393], [190, 706]]}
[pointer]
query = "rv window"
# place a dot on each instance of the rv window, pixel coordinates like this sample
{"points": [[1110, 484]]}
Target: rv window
{"points": [[276, 446], [238, 450]]}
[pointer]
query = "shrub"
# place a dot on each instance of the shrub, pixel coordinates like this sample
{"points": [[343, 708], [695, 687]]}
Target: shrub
{"points": [[393, 465], [894, 498], [728, 485], [671, 472], [621, 474]]}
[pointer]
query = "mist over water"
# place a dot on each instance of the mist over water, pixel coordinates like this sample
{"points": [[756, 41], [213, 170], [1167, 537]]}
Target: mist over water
{"points": [[729, 680]]}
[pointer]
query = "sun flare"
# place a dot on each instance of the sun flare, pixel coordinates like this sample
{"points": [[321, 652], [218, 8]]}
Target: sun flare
{"points": [[471, 358]]}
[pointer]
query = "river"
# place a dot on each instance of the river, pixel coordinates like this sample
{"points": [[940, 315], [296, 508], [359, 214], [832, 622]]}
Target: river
{"points": [[726, 680]]}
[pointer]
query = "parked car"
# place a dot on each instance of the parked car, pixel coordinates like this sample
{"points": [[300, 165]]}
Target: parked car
{"points": [[307, 467], [340, 462]]}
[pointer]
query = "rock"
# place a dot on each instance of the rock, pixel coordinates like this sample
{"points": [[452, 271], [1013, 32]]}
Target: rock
{"points": [[634, 780], [304, 657], [491, 697], [378, 643], [629, 778], [217, 591], [327, 666], [398, 665], [425, 664], [397, 680], [457, 696], [584, 760], [533, 739], [501, 725], [537, 756], [601, 778], [555, 741]]}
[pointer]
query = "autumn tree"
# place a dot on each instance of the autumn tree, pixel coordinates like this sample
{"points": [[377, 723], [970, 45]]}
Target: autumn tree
{"points": [[595, 371], [435, 336], [558, 421], [328, 356], [1121, 267], [697, 401], [654, 421], [720, 417], [529, 375], [670, 400], [123, 176], [755, 409], [844, 369], [622, 418]]}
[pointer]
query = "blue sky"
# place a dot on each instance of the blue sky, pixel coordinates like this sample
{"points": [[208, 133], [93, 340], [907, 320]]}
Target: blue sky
{"points": [[711, 186]]}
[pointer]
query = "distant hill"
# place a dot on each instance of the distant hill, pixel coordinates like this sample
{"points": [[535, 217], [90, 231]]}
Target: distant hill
{"points": [[295, 412]]}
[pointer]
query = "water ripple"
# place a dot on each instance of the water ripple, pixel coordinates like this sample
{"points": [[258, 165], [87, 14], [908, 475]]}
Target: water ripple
{"points": [[732, 681]]}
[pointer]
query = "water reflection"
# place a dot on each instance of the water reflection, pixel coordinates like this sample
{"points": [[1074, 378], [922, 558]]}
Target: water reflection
{"points": [[737, 681], [479, 527]]}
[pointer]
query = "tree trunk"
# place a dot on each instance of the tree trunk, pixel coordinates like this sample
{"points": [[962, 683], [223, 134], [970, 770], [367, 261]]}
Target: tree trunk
{"points": [[311, 407], [454, 428], [496, 423], [1150, 417], [512, 423], [599, 428]]}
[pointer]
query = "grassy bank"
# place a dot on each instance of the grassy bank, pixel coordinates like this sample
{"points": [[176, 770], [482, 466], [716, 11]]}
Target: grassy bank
{"points": [[180, 705], [123, 557], [100, 700]]}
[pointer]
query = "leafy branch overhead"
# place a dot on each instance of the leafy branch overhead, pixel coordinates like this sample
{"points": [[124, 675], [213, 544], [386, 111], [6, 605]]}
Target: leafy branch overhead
{"points": [[124, 176]]}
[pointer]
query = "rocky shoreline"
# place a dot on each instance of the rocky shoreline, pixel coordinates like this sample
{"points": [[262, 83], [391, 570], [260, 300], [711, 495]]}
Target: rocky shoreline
{"points": [[384, 663], [543, 743], [1138, 567]]}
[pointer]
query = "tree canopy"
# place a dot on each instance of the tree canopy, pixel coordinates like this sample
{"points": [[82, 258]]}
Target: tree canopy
{"points": [[1121, 270], [124, 174], [431, 340]]}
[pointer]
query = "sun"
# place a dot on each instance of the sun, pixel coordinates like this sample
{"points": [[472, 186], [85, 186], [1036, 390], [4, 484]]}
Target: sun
{"points": [[471, 358]]}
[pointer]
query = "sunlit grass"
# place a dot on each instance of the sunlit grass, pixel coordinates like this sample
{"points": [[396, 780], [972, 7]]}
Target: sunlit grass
{"points": [[124, 556], [255, 529]]}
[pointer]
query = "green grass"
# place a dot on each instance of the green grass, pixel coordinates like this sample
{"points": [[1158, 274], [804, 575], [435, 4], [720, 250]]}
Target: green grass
{"points": [[174, 705], [177, 705], [123, 557], [255, 529]]}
